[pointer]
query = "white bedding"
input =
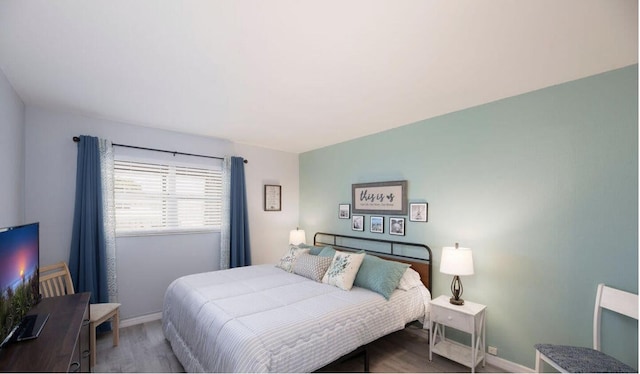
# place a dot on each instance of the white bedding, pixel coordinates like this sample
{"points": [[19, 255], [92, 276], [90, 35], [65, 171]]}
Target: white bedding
{"points": [[264, 319]]}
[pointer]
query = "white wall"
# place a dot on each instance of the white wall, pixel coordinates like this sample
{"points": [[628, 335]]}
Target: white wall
{"points": [[270, 230], [145, 265], [11, 155]]}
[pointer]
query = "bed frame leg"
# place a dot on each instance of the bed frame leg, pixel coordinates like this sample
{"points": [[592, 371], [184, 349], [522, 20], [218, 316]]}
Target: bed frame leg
{"points": [[366, 360]]}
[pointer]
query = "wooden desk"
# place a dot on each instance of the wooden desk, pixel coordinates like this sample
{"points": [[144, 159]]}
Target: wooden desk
{"points": [[63, 344]]}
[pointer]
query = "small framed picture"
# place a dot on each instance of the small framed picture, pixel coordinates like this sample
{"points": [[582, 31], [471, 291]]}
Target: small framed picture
{"points": [[344, 211], [357, 223], [418, 212], [376, 224], [396, 226], [272, 198]]}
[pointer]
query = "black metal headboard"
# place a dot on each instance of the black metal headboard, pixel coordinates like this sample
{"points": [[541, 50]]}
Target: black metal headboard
{"points": [[416, 254]]}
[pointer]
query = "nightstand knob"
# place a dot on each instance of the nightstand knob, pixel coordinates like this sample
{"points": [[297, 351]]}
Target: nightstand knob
{"points": [[449, 318]]}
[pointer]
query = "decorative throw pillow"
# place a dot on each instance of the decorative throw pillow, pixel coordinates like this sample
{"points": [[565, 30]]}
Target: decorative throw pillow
{"points": [[327, 252], [312, 266], [313, 250], [381, 276], [409, 280], [288, 261], [343, 269]]}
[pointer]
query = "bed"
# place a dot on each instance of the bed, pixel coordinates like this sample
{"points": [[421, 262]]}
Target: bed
{"points": [[265, 319]]}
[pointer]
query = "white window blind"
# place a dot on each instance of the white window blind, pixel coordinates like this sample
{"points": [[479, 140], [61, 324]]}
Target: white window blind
{"points": [[154, 198]]}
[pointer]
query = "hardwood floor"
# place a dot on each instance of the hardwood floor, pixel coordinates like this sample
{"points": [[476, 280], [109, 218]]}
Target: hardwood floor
{"points": [[143, 348]]}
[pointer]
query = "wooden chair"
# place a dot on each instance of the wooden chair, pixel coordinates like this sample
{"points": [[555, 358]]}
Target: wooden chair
{"points": [[568, 359], [55, 280]]}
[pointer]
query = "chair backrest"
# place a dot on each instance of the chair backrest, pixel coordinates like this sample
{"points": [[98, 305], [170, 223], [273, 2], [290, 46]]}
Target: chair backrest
{"points": [[616, 300], [55, 280]]}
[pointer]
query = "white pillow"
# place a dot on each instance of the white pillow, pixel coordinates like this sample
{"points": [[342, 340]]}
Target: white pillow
{"points": [[343, 269], [288, 260], [409, 280]]}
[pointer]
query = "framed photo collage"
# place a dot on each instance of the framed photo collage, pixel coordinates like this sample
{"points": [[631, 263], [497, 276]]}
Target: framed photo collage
{"points": [[382, 199]]}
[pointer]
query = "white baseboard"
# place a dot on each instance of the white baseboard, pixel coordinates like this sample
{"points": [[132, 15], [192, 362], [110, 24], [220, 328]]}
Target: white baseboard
{"points": [[139, 320], [508, 366]]}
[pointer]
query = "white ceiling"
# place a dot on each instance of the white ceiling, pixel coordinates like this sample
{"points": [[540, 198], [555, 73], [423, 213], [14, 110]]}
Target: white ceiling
{"points": [[297, 75]]}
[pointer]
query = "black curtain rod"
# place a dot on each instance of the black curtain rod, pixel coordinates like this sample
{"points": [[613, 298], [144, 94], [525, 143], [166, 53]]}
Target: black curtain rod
{"points": [[77, 139]]}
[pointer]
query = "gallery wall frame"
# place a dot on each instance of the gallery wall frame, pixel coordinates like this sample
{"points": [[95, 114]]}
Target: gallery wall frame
{"points": [[376, 224], [396, 226], [419, 212], [357, 223], [344, 211]]}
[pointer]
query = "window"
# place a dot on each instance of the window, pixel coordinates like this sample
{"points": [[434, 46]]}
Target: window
{"points": [[155, 198]]}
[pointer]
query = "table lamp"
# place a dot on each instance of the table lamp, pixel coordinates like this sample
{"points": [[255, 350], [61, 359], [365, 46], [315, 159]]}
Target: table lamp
{"points": [[456, 261], [297, 236]]}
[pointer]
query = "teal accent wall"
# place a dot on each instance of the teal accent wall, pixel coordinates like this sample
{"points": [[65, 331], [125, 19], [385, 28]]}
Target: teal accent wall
{"points": [[542, 186]]}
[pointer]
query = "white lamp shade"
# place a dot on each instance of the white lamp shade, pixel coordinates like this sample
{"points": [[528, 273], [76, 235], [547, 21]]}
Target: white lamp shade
{"points": [[297, 237], [456, 261]]}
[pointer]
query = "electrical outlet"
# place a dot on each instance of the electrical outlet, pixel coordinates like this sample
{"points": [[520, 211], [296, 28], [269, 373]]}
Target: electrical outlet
{"points": [[493, 351]]}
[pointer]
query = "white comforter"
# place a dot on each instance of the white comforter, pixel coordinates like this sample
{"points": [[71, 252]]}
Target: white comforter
{"points": [[263, 319]]}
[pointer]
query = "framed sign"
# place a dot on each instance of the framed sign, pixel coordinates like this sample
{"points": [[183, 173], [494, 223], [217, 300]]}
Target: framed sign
{"points": [[380, 197], [272, 198]]}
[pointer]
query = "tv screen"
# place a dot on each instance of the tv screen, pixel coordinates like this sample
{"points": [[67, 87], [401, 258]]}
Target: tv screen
{"points": [[19, 286]]}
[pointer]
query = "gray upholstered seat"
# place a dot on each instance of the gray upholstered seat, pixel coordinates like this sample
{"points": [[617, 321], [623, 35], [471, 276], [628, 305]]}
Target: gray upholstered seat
{"points": [[583, 360]]}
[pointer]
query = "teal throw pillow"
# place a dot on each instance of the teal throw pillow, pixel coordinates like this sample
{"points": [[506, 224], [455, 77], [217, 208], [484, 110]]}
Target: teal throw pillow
{"points": [[327, 252], [314, 251], [380, 275]]}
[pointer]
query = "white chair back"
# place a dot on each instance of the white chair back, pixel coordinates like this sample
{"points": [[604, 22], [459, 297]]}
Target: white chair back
{"points": [[616, 300]]}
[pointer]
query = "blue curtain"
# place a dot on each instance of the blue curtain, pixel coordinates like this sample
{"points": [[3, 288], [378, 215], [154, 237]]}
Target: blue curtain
{"points": [[240, 248], [87, 259]]}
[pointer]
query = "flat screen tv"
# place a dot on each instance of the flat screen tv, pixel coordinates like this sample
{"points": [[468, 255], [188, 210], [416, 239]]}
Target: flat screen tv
{"points": [[19, 285]]}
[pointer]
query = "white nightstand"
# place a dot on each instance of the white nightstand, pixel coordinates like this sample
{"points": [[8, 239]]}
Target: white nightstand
{"points": [[469, 318]]}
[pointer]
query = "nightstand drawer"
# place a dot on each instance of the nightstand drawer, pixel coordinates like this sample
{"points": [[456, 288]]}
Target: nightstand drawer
{"points": [[452, 318]]}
